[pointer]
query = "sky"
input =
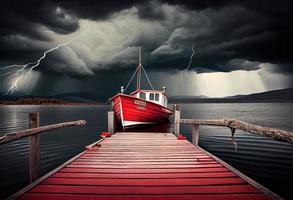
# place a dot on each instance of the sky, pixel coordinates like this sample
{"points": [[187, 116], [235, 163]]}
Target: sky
{"points": [[241, 47]]}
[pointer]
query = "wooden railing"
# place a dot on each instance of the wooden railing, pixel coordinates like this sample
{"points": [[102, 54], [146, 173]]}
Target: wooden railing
{"points": [[34, 140], [233, 124]]}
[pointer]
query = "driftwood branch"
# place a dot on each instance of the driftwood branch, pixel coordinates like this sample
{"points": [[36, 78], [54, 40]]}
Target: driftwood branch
{"points": [[17, 135], [234, 124]]}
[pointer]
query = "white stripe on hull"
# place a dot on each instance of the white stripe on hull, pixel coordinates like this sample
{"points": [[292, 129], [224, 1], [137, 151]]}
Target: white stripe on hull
{"points": [[132, 123]]}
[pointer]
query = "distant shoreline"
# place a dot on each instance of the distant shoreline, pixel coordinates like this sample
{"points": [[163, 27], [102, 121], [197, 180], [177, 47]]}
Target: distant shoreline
{"points": [[44, 101], [66, 104], [273, 96], [230, 101]]}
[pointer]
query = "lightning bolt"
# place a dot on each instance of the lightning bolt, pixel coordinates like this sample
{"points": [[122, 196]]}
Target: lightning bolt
{"points": [[190, 58], [27, 68], [184, 73], [9, 67]]}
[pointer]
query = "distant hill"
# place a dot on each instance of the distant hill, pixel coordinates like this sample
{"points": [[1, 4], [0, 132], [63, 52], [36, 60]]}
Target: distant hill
{"points": [[74, 97], [34, 101], [283, 95], [179, 97], [80, 97]]}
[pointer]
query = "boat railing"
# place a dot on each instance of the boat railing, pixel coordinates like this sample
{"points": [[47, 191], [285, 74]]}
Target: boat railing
{"points": [[34, 140], [232, 124]]}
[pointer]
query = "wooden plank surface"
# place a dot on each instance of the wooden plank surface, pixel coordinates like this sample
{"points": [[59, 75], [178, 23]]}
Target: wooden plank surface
{"points": [[144, 166]]}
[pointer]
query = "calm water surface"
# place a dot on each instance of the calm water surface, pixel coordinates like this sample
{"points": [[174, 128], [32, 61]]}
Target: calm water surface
{"points": [[267, 161]]}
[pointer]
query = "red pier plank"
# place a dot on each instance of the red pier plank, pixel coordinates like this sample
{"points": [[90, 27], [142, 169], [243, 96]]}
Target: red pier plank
{"points": [[145, 190], [147, 176], [145, 166], [143, 182], [45, 196]]}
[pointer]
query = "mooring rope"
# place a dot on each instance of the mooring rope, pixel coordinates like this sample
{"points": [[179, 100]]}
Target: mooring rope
{"points": [[130, 80], [135, 72], [147, 77]]}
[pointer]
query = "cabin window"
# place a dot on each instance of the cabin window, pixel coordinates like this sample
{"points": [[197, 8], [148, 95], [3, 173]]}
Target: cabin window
{"points": [[142, 95], [157, 96], [152, 96]]}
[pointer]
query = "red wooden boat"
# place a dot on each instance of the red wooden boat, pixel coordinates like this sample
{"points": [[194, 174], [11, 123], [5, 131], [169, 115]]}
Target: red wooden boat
{"points": [[141, 106]]}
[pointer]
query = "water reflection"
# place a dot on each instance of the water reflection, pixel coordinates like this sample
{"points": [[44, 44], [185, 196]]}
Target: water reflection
{"points": [[267, 161], [163, 127], [234, 142]]}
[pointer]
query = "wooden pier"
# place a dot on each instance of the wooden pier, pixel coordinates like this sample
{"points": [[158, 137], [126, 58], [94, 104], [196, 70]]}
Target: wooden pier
{"points": [[144, 166]]}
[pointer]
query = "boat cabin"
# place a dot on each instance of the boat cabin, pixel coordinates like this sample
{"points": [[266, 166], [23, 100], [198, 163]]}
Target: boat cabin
{"points": [[152, 95]]}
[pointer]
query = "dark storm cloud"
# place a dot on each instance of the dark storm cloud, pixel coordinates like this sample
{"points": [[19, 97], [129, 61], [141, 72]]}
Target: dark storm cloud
{"points": [[21, 17], [151, 10], [228, 35], [92, 9], [258, 31], [21, 25]]}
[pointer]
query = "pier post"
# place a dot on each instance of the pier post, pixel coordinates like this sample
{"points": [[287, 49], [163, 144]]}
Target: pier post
{"points": [[34, 148], [111, 122], [177, 120], [195, 135]]}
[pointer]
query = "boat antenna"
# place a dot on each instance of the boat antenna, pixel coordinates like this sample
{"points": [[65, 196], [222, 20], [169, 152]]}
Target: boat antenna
{"points": [[138, 77], [139, 56]]}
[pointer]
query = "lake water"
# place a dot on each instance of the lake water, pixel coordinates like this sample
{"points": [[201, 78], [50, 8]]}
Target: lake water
{"points": [[267, 161]]}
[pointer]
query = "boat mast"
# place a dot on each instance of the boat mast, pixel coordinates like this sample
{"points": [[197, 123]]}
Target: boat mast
{"points": [[138, 76]]}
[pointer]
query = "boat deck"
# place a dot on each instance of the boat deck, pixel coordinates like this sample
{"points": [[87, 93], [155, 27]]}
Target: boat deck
{"points": [[145, 166]]}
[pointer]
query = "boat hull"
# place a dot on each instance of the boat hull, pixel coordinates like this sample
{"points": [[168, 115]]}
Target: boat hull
{"points": [[132, 111]]}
